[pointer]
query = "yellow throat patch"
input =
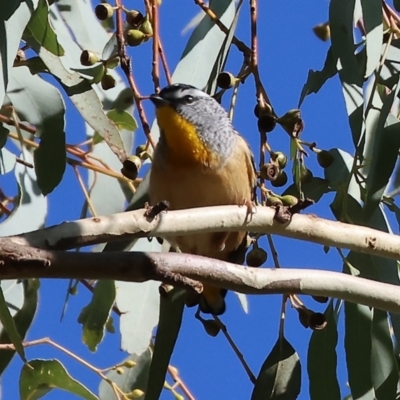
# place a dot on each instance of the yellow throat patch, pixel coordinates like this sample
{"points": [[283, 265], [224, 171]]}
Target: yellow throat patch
{"points": [[182, 138]]}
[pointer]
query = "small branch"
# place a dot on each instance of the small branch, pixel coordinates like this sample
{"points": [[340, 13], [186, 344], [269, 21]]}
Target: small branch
{"points": [[177, 379], [156, 45], [9, 121], [186, 270], [236, 350], [126, 67], [238, 43], [253, 21], [164, 62], [23, 162]]}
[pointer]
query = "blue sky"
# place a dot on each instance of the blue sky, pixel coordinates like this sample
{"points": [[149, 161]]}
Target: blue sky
{"points": [[287, 50]]}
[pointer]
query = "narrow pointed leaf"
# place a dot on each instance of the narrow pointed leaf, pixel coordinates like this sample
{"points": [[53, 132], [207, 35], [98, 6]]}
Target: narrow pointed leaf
{"points": [[280, 375], [372, 16], [22, 318], [322, 360], [316, 79], [171, 312], [357, 341], [384, 371], [9, 326], [96, 314], [39, 377], [39, 27]]}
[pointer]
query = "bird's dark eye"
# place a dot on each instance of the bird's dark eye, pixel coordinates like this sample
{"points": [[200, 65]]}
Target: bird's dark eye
{"points": [[188, 99]]}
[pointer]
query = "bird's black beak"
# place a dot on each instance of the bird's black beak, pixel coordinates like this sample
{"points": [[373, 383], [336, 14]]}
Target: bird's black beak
{"points": [[158, 101]]}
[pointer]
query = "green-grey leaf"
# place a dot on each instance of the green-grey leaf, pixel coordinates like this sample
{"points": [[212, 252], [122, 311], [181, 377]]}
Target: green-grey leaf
{"points": [[203, 47], [384, 156], [31, 210], [132, 378], [9, 326], [39, 27], [139, 304], [222, 57], [372, 17], [313, 190], [95, 315], [280, 375], [357, 342], [93, 74], [3, 135], [341, 15], [14, 17], [316, 79], [35, 65], [171, 311], [85, 99], [50, 160], [322, 360], [7, 161], [41, 376], [384, 371], [123, 120], [8, 8], [22, 318], [40, 103]]}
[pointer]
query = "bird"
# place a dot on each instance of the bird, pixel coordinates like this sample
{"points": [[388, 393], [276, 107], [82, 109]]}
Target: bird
{"points": [[200, 160]]}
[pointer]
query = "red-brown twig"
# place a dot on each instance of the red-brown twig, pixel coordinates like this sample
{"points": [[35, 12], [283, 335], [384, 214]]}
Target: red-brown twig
{"points": [[164, 61], [156, 45], [127, 69], [235, 349]]}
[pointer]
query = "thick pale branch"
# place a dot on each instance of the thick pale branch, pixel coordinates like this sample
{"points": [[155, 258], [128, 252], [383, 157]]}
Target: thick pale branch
{"points": [[24, 261], [134, 224]]}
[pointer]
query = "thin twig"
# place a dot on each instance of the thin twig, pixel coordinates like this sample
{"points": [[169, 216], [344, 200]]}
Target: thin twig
{"points": [[156, 45], [23, 162], [9, 121], [178, 381], [126, 67], [83, 164], [236, 349], [273, 250], [238, 43], [48, 341], [85, 192], [164, 62]]}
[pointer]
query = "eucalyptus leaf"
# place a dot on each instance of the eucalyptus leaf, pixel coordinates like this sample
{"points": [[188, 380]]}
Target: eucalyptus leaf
{"points": [[22, 310], [40, 103], [372, 17], [384, 366], [358, 346], [14, 17], [171, 311], [40, 28], [322, 360], [7, 161], [123, 120], [316, 79], [39, 377], [133, 378], [96, 314], [30, 212], [280, 375], [313, 190], [9, 326]]}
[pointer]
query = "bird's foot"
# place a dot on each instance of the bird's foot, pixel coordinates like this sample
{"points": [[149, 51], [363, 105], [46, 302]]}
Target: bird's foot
{"points": [[251, 208]]}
